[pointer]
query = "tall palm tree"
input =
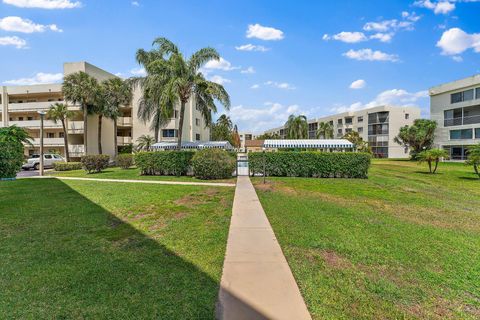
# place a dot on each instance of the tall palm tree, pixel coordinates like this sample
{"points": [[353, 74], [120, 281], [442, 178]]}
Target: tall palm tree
{"points": [[297, 127], [116, 92], [325, 130], [171, 80], [145, 142], [60, 112], [81, 88], [225, 121]]}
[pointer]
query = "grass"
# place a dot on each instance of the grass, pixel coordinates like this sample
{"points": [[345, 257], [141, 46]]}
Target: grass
{"points": [[84, 250], [130, 174], [402, 244]]}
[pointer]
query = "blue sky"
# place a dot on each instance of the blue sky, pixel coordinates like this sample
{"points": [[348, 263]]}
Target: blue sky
{"points": [[279, 57]]}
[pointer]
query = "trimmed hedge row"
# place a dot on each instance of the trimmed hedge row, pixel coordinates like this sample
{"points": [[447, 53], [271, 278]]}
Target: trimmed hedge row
{"points": [[67, 166], [125, 160], [213, 164], [165, 163], [95, 163], [311, 164]]}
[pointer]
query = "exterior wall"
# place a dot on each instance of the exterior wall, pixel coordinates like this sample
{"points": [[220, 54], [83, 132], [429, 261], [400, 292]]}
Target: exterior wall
{"points": [[397, 118], [440, 101]]}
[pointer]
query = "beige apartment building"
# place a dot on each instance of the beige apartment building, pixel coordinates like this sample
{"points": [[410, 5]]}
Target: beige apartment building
{"points": [[20, 106], [378, 126], [455, 106]]}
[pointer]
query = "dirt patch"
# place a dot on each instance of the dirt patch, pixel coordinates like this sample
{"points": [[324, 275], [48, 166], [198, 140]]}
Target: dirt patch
{"points": [[180, 215], [193, 199], [336, 261]]}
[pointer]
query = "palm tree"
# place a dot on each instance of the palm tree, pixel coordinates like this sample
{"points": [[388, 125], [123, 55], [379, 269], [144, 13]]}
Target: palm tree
{"points": [[297, 127], [473, 158], [145, 142], [60, 112], [116, 92], [432, 155], [225, 121], [171, 80], [325, 130], [81, 88]]}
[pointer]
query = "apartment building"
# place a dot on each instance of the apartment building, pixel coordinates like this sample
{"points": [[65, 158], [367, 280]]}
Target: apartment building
{"points": [[20, 106], [244, 137], [378, 126], [456, 108]]}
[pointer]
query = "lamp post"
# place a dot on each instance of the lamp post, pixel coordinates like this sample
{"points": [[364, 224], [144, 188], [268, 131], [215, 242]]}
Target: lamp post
{"points": [[264, 171], [42, 116]]}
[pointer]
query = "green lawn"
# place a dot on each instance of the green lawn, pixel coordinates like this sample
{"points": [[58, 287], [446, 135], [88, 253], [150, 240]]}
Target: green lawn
{"points": [[86, 250], [402, 244], [129, 174]]}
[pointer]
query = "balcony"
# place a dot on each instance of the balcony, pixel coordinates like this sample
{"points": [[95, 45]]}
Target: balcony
{"points": [[460, 121], [75, 127], [50, 142], [121, 141], [35, 124], [36, 106], [124, 121], [76, 150]]}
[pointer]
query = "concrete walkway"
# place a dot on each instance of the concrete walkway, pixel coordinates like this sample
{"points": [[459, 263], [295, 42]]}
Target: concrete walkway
{"points": [[257, 282], [184, 183]]}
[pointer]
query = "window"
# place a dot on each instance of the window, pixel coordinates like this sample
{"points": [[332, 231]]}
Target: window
{"points": [[340, 131], [340, 121], [50, 135], [461, 134], [20, 118], [477, 133], [56, 156], [360, 119], [348, 120], [331, 123], [61, 134], [197, 137], [348, 130], [471, 115], [407, 116], [169, 133], [47, 156], [453, 117], [456, 97], [468, 95], [360, 130], [29, 118], [477, 93], [197, 122], [50, 100]]}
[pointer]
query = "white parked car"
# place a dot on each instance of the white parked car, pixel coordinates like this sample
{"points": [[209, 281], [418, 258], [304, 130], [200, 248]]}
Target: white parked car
{"points": [[48, 160]]}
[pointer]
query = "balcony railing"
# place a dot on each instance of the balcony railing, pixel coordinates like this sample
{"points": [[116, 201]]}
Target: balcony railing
{"points": [[49, 142], [35, 106], [36, 124], [76, 150], [124, 140], [461, 121], [75, 127], [124, 121]]}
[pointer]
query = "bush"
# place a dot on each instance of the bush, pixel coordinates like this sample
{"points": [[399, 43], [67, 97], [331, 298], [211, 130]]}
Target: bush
{"points": [[311, 164], [67, 166], [213, 164], [95, 163], [11, 159], [174, 163], [126, 149], [125, 161]]}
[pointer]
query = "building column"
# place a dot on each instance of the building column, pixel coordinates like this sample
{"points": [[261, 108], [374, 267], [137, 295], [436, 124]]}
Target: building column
{"points": [[4, 95]]}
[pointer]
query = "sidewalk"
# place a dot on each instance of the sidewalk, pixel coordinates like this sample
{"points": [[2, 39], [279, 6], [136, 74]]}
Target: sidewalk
{"points": [[257, 282]]}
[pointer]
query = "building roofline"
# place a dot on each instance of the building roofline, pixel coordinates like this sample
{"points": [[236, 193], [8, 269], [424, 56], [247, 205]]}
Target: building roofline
{"points": [[455, 85]]}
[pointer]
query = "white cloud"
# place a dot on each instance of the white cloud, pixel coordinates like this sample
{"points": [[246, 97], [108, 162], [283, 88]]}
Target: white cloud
{"points": [[358, 84], [251, 47], [135, 4], [138, 72], [45, 4], [17, 42], [455, 41], [221, 64], [264, 33], [370, 55], [39, 78], [219, 79], [438, 7], [249, 70], [348, 37], [383, 37], [17, 24], [394, 97], [255, 86], [389, 25], [280, 85]]}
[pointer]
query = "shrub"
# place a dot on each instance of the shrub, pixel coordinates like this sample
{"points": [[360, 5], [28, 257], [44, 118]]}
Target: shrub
{"points": [[174, 163], [11, 158], [311, 164], [67, 166], [128, 148], [125, 161], [213, 164], [95, 163]]}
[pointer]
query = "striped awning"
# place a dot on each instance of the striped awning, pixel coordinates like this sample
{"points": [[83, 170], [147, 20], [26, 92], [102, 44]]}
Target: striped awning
{"points": [[309, 144], [194, 145]]}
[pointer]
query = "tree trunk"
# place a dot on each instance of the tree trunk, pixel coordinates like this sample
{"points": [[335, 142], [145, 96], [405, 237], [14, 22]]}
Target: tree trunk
{"points": [[115, 140], [157, 131], [475, 167], [430, 166], [180, 126], [65, 140], [436, 166], [100, 117], [85, 120]]}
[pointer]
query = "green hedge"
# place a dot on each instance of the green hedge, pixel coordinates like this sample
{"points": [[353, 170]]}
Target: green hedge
{"points": [[125, 161], [311, 164], [11, 159], [213, 164], [67, 166], [95, 163], [167, 163]]}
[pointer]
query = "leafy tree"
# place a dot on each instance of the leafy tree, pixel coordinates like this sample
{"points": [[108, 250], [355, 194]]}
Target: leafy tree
{"points": [[325, 130], [432, 156], [418, 137], [84, 89], [116, 92], [222, 130], [171, 79], [145, 142], [297, 127], [473, 158], [355, 138], [15, 134], [11, 150], [268, 136], [236, 137], [60, 112]]}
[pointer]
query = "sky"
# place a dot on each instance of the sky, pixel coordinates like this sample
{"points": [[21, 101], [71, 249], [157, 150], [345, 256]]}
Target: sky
{"points": [[278, 57]]}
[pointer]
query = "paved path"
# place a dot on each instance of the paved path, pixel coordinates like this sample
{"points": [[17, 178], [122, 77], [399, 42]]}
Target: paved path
{"points": [[184, 183], [257, 282]]}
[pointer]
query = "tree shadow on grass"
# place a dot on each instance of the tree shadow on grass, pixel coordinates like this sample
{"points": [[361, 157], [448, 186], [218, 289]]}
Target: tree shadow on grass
{"points": [[63, 256]]}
